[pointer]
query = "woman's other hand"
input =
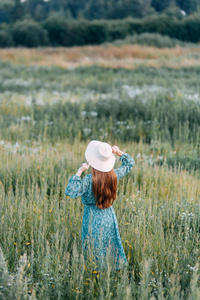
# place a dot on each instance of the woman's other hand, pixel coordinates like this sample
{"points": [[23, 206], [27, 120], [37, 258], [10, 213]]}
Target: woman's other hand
{"points": [[117, 151], [83, 168]]}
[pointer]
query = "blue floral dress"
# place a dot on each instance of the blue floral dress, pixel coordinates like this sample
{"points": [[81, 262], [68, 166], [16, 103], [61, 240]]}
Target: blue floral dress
{"points": [[99, 226]]}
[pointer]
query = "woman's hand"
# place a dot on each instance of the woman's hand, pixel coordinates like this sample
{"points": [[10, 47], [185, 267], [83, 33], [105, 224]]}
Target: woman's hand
{"points": [[117, 151], [83, 168]]}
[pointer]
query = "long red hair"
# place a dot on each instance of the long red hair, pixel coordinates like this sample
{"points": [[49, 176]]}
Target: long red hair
{"points": [[104, 186]]}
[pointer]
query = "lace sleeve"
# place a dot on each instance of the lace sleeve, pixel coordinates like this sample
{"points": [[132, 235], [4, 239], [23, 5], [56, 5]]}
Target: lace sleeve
{"points": [[127, 164], [77, 187]]}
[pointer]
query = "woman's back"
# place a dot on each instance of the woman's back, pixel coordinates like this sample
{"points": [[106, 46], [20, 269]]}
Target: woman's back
{"points": [[83, 188], [99, 226]]}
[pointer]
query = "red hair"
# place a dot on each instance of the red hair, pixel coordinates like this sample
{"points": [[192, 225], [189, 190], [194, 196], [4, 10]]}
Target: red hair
{"points": [[104, 186]]}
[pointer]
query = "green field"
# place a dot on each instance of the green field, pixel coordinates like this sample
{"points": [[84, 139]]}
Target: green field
{"points": [[47, 116]]}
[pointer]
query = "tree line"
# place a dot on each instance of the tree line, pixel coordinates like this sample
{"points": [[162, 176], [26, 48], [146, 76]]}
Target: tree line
{"points": [[34, 23], [39, 10]]}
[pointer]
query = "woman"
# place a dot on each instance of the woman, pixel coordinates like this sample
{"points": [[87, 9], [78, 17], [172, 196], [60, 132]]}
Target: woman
{"points": [[98, 192]]}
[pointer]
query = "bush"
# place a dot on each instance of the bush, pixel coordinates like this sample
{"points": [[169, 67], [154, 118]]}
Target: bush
{"points": [[163, 25], [96, 33], [74, 33], [152, 39], [6, 39], [57, 30], [86, 32], [192, 29], [30, 34], [187, 29], [118, 29]]}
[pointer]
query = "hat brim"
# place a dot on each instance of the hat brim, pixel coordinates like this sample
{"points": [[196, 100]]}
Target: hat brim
{"points": [[91, 155]]}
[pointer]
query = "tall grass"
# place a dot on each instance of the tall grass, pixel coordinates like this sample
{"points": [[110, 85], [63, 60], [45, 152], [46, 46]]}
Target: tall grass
{"points": [[162, 117], [47, 116], [158, 214], [97, 103]]}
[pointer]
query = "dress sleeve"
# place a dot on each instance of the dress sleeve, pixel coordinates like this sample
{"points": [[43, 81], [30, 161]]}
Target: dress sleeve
{"points": [[127, 164], [77, 187]]}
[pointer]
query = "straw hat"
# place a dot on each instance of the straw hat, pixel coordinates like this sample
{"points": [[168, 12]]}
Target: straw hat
{"points": [[100, 156]]}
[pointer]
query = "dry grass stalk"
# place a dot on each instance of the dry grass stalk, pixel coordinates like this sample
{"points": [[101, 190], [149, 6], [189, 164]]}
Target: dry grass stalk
{"points": [[127, 56]]}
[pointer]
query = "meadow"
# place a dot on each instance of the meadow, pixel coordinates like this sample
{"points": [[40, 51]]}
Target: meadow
{"points": [[51, 106]]}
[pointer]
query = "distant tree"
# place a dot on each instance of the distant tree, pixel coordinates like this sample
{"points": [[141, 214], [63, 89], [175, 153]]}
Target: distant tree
{"points": [[160, 5], [4, 16], [56, 27], [174, 10], [57, 14], [75, 6], [7, 4], [188, 6], [40, 13], [94, 10], [29, 33], [32, 4], [18, 10], [6, 7], [114, 9], [6, 39], [36, 8], [146, 7], [128, 8], [54, 5]]}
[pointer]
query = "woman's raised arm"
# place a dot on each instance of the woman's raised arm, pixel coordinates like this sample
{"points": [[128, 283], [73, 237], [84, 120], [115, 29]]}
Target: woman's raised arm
{"points": [[127, 162]]}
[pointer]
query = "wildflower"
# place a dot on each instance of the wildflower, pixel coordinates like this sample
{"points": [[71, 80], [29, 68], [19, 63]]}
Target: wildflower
{"points": [[93, 114], [26, 118], [138, 155], [84, 113], [87, 131]]}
